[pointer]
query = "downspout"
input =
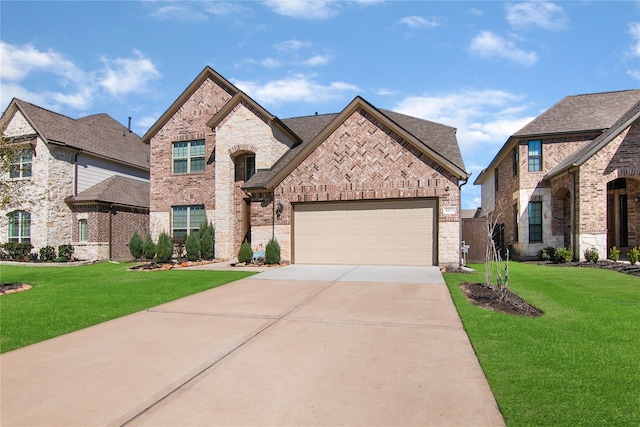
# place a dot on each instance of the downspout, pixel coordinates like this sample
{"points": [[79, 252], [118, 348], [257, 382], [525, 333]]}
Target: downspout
{"points": [[460, 214], [75, 172], [110, 231], [574, 219]]}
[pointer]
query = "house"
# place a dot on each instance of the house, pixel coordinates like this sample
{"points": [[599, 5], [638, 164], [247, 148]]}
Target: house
{"points": [[362, 186], [82, 181], [570, 178]]}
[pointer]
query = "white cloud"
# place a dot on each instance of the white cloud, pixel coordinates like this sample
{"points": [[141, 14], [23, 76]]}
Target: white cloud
{"points": [[543, 14], [304, 9], [488, 45], [20, 62], [483, 118], [297, 88], [292, 44], [317, 60], [128, 75], [223, 9], [180, 12], [270, 63], [419, 22], [634, 30]]}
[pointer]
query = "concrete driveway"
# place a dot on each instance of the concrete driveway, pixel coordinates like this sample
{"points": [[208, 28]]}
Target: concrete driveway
{"points": [[298, 345]]}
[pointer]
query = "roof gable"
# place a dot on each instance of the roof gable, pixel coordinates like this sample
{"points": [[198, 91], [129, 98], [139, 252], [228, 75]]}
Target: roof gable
{"points": [[206, 73], [98, 134], [588, 150], [325, 125]]}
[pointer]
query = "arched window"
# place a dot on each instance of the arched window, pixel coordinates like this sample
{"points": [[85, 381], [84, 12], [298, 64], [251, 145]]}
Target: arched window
{"points": [[20, 227]]}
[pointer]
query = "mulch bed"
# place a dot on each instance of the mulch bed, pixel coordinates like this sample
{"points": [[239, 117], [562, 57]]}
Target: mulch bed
{"points": [[498, 299], [10, 288]]}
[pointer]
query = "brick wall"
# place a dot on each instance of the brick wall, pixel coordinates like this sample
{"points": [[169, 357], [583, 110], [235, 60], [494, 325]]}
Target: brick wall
{"points": [[188, 123], [363, 160]]}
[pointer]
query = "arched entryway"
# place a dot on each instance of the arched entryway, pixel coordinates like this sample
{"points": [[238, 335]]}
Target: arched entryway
{"points": [[623, 213], [562, 216]]}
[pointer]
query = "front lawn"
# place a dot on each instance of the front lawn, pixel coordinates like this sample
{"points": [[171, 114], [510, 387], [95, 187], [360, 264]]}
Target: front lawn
{"points": [[578, 364], [65, 299]]}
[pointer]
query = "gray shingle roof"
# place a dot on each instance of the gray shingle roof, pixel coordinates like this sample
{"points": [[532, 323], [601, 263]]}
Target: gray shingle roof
{"points": [[438, 137], [118, 190], [595, 111], [583, 153], [97, 134]]}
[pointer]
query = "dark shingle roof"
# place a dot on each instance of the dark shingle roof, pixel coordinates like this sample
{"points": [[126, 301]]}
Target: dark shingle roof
{"points": [[438, 137], [595, 111], [118, 190], [583, 153], [97, 134]]}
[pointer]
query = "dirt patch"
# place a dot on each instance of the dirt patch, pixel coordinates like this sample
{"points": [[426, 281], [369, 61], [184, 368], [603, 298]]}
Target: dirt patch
{"points": [[11, 288], [496, 299]]}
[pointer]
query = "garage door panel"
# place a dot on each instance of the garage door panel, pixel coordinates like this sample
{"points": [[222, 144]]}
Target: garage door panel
{"points": [[379, 232]]}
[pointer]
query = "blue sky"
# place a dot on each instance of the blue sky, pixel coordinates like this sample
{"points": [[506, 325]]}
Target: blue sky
{"points": [[484, 67]]}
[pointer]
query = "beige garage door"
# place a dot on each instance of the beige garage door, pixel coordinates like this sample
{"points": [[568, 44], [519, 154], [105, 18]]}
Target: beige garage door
{"points": [[378, 233]]}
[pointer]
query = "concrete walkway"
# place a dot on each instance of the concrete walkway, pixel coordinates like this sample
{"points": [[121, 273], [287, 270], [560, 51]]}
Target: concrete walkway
{"points": [[298, 345]]}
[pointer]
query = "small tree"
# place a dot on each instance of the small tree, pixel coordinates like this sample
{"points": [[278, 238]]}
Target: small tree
{"points": [[135, 245], [634, 255], [193, 247], [272, 252], [164, 248], [614, 254], [206, 241], [245, 254], [148, 248]]}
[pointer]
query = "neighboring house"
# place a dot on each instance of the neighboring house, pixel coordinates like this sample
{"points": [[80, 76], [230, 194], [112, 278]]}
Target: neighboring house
{"points": [[83, 182], [363, 186], [570, 178]]}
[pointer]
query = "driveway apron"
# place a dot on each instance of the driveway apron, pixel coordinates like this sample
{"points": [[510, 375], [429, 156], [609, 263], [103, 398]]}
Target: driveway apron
{"points": [[297, 345]]}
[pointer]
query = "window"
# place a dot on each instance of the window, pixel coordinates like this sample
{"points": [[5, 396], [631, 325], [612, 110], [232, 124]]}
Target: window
{"points": [[516, 216], [187, 219], [20, 167], [249, 167], [535, 222], [535, 155], [20, 227], [188, 156], [82, 230], [515, 165]]}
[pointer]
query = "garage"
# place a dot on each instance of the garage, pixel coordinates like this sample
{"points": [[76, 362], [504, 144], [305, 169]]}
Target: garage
{"points": [[389, 232]]}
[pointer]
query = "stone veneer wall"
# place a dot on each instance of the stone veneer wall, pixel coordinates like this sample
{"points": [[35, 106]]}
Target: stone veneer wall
{"points": [[44, 192], [363, 160]]}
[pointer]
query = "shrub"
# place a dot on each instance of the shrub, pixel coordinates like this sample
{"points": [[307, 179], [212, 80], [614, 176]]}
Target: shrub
{"points": [[547, 254], [65, 252], [33, 256], [634, 254], [272, 252], [563, 255], [135, 245], [614, 254], [591, 255], [17, 251], [206, 241], [193, 247], [245, 254], [148, 248], [164, 248], [178, 246], [47, 253]]}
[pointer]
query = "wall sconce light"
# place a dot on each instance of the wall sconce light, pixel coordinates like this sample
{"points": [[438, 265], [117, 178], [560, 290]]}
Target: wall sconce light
{"points": [[279, 209], [637, 199]]}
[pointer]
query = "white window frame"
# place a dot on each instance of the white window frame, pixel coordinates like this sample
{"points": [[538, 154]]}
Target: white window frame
{"points": [[83, 230], [190, 226], [249, 173], [22, 164], [19, 227], [189, 157]]}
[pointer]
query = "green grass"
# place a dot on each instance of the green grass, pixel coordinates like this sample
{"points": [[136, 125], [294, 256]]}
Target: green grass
{"points": [[578, 364], [65, 299]]}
